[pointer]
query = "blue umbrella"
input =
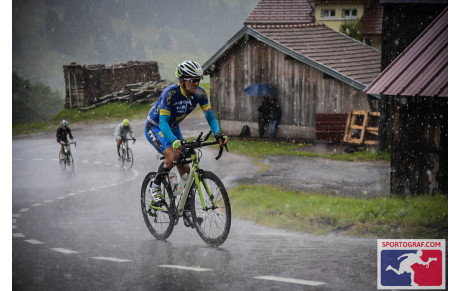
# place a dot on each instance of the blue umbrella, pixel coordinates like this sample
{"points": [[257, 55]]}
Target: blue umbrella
{"points": [[259, 90]]}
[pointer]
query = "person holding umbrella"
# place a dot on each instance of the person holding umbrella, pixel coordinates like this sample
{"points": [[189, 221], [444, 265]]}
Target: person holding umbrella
{"points": [[261, 90]]}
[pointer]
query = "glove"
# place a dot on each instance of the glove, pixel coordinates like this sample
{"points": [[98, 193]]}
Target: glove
{"points": [[177, 144], [134, 140], [221, 137]]}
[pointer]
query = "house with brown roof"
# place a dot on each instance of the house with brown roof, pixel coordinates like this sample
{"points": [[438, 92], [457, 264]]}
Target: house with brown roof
{"points": [[316, 70], [364, 15], [416, 83]]}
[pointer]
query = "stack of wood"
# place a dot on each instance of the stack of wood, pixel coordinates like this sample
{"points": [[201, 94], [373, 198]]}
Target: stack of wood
{"points": [[88, 83], [132, 93]]}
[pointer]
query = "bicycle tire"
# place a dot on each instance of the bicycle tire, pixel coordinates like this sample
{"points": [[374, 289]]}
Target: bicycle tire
{"points": [[121, 159], [128, 158], [159, 223], [62, 163], [70, 159], [215, 225]]}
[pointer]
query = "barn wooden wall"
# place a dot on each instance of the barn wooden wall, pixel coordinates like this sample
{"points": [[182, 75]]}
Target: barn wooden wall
{"points": [[302, 90]]}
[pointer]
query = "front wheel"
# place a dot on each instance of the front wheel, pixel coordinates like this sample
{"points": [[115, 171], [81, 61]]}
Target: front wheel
{"points": [[212, 218], [128, 158], [62, 160], [160, 222], [70, 161]]}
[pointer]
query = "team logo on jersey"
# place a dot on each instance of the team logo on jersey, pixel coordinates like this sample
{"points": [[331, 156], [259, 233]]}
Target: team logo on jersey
{"points": [[411, 264]]}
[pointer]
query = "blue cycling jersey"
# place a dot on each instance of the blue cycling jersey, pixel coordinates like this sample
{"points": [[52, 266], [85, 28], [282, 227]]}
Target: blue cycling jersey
{"points": [[176, 105]]}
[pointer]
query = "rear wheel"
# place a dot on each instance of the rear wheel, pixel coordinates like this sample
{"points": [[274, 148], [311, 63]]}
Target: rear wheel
{"points": [[159, 221], [212, 222]]}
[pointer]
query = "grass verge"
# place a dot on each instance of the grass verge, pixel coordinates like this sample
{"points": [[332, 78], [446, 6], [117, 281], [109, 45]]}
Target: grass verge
{"points": [[410, 217], [107, 113], [261, 148]]}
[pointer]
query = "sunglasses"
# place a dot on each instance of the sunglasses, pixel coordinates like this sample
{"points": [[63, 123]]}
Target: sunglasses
{"points": [[193, 80]]}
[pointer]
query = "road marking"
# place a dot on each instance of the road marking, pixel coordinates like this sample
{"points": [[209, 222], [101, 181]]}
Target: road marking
{"points": [[196, 269], [111, 259], [71, 194], [16, 215], [96, 162], [24, 210], [81, 191], [65, 251], [290, 280], [62, 198], [37, 159], [18, 234], [54, 159], [34, 241], [85, 161], [18, 159], [48, 201], [38, 204]]}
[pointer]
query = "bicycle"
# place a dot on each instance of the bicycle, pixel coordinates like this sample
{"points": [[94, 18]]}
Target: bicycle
{"points": [[126, 154], [66, 159], [210, 209]]}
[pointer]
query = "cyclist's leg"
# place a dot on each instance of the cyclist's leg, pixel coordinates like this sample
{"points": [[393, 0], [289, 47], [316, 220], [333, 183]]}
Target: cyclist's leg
{"points": [[160, 143], [118, 142]]}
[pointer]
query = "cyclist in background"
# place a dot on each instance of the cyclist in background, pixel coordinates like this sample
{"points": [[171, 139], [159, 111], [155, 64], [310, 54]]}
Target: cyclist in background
{"points": [[61, 135], [162, 128], [121, 132]]}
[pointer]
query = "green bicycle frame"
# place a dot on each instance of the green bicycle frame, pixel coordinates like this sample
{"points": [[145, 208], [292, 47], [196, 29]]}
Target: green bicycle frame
{"points": [[194, 175]]}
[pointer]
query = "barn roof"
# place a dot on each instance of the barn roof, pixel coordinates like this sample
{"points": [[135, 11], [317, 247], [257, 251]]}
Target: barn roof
{"points": [[421, 69], [281, 12], [318, 46]]}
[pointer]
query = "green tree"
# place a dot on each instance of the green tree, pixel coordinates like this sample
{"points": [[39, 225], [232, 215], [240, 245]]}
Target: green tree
{"points": [[352, 28], [34, 102]]}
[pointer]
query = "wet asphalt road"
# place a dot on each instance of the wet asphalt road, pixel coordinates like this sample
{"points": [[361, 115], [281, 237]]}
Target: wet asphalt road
{"points": [[85, 231]]}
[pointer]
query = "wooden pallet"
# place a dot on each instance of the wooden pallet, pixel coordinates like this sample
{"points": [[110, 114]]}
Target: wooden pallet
{"points": [[362, 127]]}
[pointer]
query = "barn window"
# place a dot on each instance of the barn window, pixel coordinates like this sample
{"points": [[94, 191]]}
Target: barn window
{"points": [[288, 58], [328, 13]]}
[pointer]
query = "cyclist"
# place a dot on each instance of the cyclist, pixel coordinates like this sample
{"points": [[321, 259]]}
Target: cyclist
{"points": [[121, 132], [162, 127], [61, 136]]}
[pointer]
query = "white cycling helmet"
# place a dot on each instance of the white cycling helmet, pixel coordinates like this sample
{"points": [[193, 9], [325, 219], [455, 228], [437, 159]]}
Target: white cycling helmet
{"points": [[64, 123], [189, 69]]}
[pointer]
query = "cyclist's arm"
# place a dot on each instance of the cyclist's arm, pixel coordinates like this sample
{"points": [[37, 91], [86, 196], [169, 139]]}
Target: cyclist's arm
{"points": [[131, 132], [212, 121], [165, 128]]}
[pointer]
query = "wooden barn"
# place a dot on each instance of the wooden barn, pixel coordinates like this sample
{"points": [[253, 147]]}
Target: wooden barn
{"points": [[416, 83], [318, 72]]}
